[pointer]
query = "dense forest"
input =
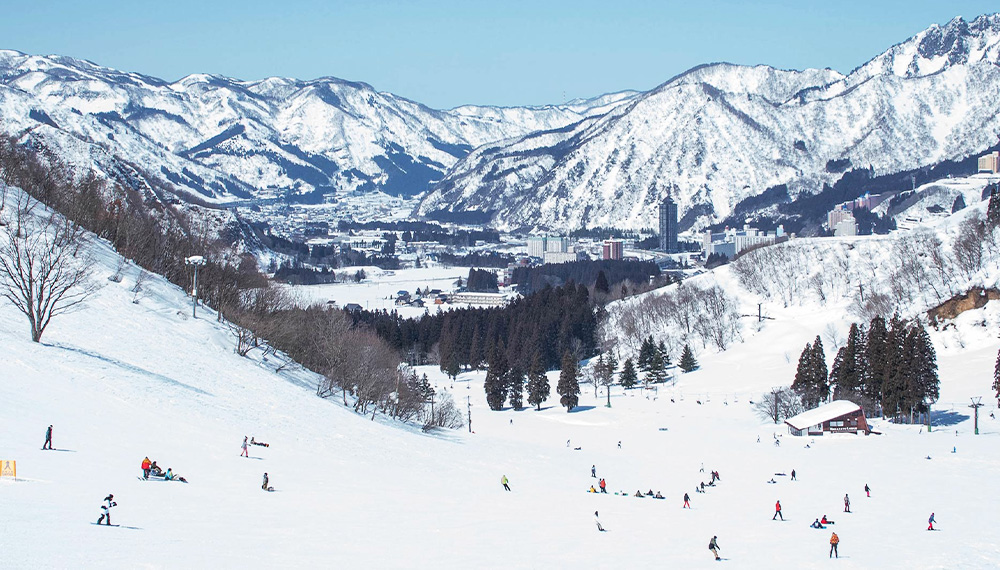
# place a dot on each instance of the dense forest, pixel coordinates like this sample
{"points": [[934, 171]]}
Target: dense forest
{"points": [[548, 323], [585, 272]]}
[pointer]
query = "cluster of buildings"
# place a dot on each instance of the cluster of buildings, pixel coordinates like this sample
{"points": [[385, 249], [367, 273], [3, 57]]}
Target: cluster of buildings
{"points": [[732, 241], [552, 249], [841, 218], [990, 162]]}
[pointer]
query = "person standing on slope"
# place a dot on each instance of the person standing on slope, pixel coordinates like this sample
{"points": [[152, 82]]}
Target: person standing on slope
{"points": [[777, 511], [713, 545], [603, 485], [868, 491], [930, 522], [593, 471], [146, 466], [245, 452], [264, 485], [503, 481], [109, 502], [598, 521], [847, 503], [793, 475], [48, 438], [834, 541], [687, 501]]}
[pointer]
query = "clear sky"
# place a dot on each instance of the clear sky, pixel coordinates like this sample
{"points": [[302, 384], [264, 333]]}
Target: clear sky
{"points": [[445, 53]]}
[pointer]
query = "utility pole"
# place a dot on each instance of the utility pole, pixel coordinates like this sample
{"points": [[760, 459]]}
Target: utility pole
{"points": [[760, 317], [197, 261], [975, 407], [468, 400]]}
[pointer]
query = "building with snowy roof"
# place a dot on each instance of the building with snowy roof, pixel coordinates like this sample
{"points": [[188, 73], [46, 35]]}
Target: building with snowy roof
{"points": [[838, 416]]}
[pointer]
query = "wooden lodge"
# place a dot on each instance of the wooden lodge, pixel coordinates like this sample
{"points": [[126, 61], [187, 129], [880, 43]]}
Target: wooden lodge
{"points": [[839, 416]]}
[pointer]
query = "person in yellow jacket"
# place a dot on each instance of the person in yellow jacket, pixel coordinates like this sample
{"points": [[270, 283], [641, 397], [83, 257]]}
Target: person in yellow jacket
{"points": [[503, 481], [834, 541]]}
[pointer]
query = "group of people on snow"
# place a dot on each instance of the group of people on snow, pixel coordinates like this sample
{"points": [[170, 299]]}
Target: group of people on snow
{"points": [[151, 469]]}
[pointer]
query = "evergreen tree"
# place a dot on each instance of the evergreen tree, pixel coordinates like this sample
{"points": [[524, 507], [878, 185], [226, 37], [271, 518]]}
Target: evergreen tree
{"points": [[497, 379], [664, 354], [647, 352], [876, 360], [894, 384], [568, 387], [821, 374], [629, 376], [515, 388], [687, 363], [612, 363], [538, 383], [425, 389], [993, 209], [811, 375], [922, 387], [476, 348], [602, 283], [657, 371], [803, 376], [996, 379]]}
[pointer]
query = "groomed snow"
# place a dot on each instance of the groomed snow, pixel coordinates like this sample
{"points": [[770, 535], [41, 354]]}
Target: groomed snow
{"points": [[120, 381]]}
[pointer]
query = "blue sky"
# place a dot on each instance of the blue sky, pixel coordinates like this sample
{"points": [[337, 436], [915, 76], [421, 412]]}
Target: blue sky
{"points": [[447, 53]]}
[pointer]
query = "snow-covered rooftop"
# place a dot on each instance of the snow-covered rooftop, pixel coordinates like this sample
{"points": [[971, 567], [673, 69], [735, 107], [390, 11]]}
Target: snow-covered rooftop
{"points": [[822, 414]]}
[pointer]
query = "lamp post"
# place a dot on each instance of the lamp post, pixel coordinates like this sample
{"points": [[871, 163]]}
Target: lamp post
{"points": [[197, 261]]}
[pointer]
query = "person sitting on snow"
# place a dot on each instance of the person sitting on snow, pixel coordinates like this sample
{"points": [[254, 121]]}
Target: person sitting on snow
{"points": [[639, 494], [816, 524], [592, 489], [649, 493], [155, 470], [658, 495], [825, 520]]}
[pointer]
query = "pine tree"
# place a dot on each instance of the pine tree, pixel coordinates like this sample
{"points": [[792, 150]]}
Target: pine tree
{"points": [[515, 388], [629, 377], [568, 387], [845, 374], [602, 283], [802, 384], [538, 383], [996, 379], [612, 363], [894, 383], [497, 379], [664, 354], [647, 352], [922, 386], [820, 372], [657, 371], [476, 348], [876, 360], [687, 363]]}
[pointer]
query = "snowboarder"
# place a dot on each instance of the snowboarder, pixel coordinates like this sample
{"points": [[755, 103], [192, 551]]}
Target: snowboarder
{"points": [[619, 444], [503, 481], [868, 490], [826, 520], [930, 522], [567, 443], [713, 545], [817, 524], [146, 466], [598, 521], [155, 470], [847, 503], [603, 485], [245, 452], [834, 541], [48, 438], [171, 476], [264, 485], [109, 502], [687, 503], [793, 475], [777, 511], [593, 471]]}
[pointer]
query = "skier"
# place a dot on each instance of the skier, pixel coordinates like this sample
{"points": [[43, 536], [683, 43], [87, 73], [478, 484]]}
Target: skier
{"points": [[777, 511], [713, 545], [48, 438], [598, 521], [503, 481], [109, 502], [687, 503], [146, 466], [868, 491], [930, 522], [593, 471], [245, 452], [847, 503], [264, 485], [834, 541], [793, 475], [603, 485]]}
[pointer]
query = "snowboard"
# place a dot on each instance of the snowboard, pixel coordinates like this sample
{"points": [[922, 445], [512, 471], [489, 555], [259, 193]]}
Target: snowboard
{"points": [[102, 524]]}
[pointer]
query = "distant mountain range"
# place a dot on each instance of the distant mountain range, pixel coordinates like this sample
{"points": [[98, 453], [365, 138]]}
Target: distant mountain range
{"points": [[712, 136]]}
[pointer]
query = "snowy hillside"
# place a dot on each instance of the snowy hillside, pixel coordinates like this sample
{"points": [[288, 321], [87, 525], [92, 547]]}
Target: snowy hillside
{"points": [[721, 133], [220, 139], [122, 380]]}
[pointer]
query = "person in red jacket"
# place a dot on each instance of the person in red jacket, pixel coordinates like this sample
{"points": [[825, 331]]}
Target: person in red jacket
{"points": [[146, 466], [604, 486], [777, 511]]}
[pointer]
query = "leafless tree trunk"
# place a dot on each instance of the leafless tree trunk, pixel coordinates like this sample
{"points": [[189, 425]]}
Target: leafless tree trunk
{"points": [[43, 271]]}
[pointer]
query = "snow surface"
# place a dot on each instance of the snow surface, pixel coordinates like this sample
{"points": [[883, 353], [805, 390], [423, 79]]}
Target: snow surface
{"points": [[120, 381]]}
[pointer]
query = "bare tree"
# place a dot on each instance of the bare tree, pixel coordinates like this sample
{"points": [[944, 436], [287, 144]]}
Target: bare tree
{"points": [[44, 272], [779, 404]]}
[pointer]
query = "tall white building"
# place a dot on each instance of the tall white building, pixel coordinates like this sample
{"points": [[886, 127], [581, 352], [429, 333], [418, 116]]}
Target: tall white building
{"points": [[536, 246]]}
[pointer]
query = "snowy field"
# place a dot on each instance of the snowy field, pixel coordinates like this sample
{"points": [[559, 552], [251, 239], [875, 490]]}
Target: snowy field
{"points": [[120, 381]]}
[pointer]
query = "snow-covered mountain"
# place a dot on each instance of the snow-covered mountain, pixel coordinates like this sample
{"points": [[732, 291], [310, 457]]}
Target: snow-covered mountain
{"points": [[721, 133], [218, 139]]}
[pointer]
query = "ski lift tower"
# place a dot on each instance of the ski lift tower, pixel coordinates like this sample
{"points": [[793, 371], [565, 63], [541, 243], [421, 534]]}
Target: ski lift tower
{"points": [[976, 404], [197, 261]]}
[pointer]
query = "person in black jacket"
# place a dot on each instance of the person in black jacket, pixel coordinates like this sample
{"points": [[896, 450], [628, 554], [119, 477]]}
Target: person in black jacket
{"points": [[264, 486], [48, 438]]}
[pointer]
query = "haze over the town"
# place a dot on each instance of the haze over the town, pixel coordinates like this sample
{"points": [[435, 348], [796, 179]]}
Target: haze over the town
{"points": [[450, 53]]}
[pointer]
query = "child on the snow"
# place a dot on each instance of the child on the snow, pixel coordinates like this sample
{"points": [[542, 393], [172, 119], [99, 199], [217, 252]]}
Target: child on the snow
{"points": [[834, 541], [713, 545], [109, 502]]}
